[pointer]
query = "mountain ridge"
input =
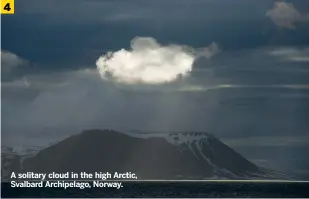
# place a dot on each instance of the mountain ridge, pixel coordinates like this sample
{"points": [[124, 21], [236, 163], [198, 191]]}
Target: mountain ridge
{"points": [[171, 156], [150, 158]]}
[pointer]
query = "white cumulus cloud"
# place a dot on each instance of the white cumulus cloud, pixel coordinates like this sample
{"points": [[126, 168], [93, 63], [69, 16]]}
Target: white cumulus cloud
{"points": [[149, 62]]}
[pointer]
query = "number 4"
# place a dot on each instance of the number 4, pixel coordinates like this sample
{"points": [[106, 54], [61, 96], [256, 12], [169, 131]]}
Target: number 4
{"points": [[7, 7]]}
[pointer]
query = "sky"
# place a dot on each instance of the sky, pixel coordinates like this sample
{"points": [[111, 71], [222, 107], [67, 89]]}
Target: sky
{"points": [[237, 69]]}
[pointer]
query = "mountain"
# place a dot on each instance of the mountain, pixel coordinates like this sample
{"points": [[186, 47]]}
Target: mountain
{"points": [[191, 155]]}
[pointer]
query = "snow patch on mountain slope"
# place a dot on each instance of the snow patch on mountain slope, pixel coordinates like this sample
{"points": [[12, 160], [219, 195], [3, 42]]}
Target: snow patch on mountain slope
{"points": [[195, 142]]}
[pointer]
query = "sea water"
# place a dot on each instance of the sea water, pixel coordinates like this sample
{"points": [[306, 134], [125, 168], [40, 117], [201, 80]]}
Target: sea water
{"points": [[171, 189]]}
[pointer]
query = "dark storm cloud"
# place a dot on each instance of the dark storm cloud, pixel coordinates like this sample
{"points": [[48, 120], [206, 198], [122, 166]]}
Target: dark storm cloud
{"points": [[62, 35], [61, 38]]}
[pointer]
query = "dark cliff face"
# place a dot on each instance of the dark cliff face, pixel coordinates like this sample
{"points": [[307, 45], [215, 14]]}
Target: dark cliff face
{"points": [[150, 158]]}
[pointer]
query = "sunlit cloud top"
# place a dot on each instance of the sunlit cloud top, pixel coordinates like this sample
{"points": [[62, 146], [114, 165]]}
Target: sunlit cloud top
{"points": [[149, 62]]}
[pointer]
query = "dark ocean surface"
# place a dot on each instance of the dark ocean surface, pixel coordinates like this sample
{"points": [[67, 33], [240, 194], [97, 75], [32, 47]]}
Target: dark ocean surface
{"points": [[171, 190]]}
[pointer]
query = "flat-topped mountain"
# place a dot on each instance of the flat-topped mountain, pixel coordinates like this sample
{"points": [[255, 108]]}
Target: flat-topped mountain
{"points": [[191, 155]]}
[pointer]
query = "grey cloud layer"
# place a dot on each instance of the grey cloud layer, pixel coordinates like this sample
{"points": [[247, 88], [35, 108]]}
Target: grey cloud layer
{"points": [[11, 65], [81, 31], [291, 54], [10, 61], [285, 15]]}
